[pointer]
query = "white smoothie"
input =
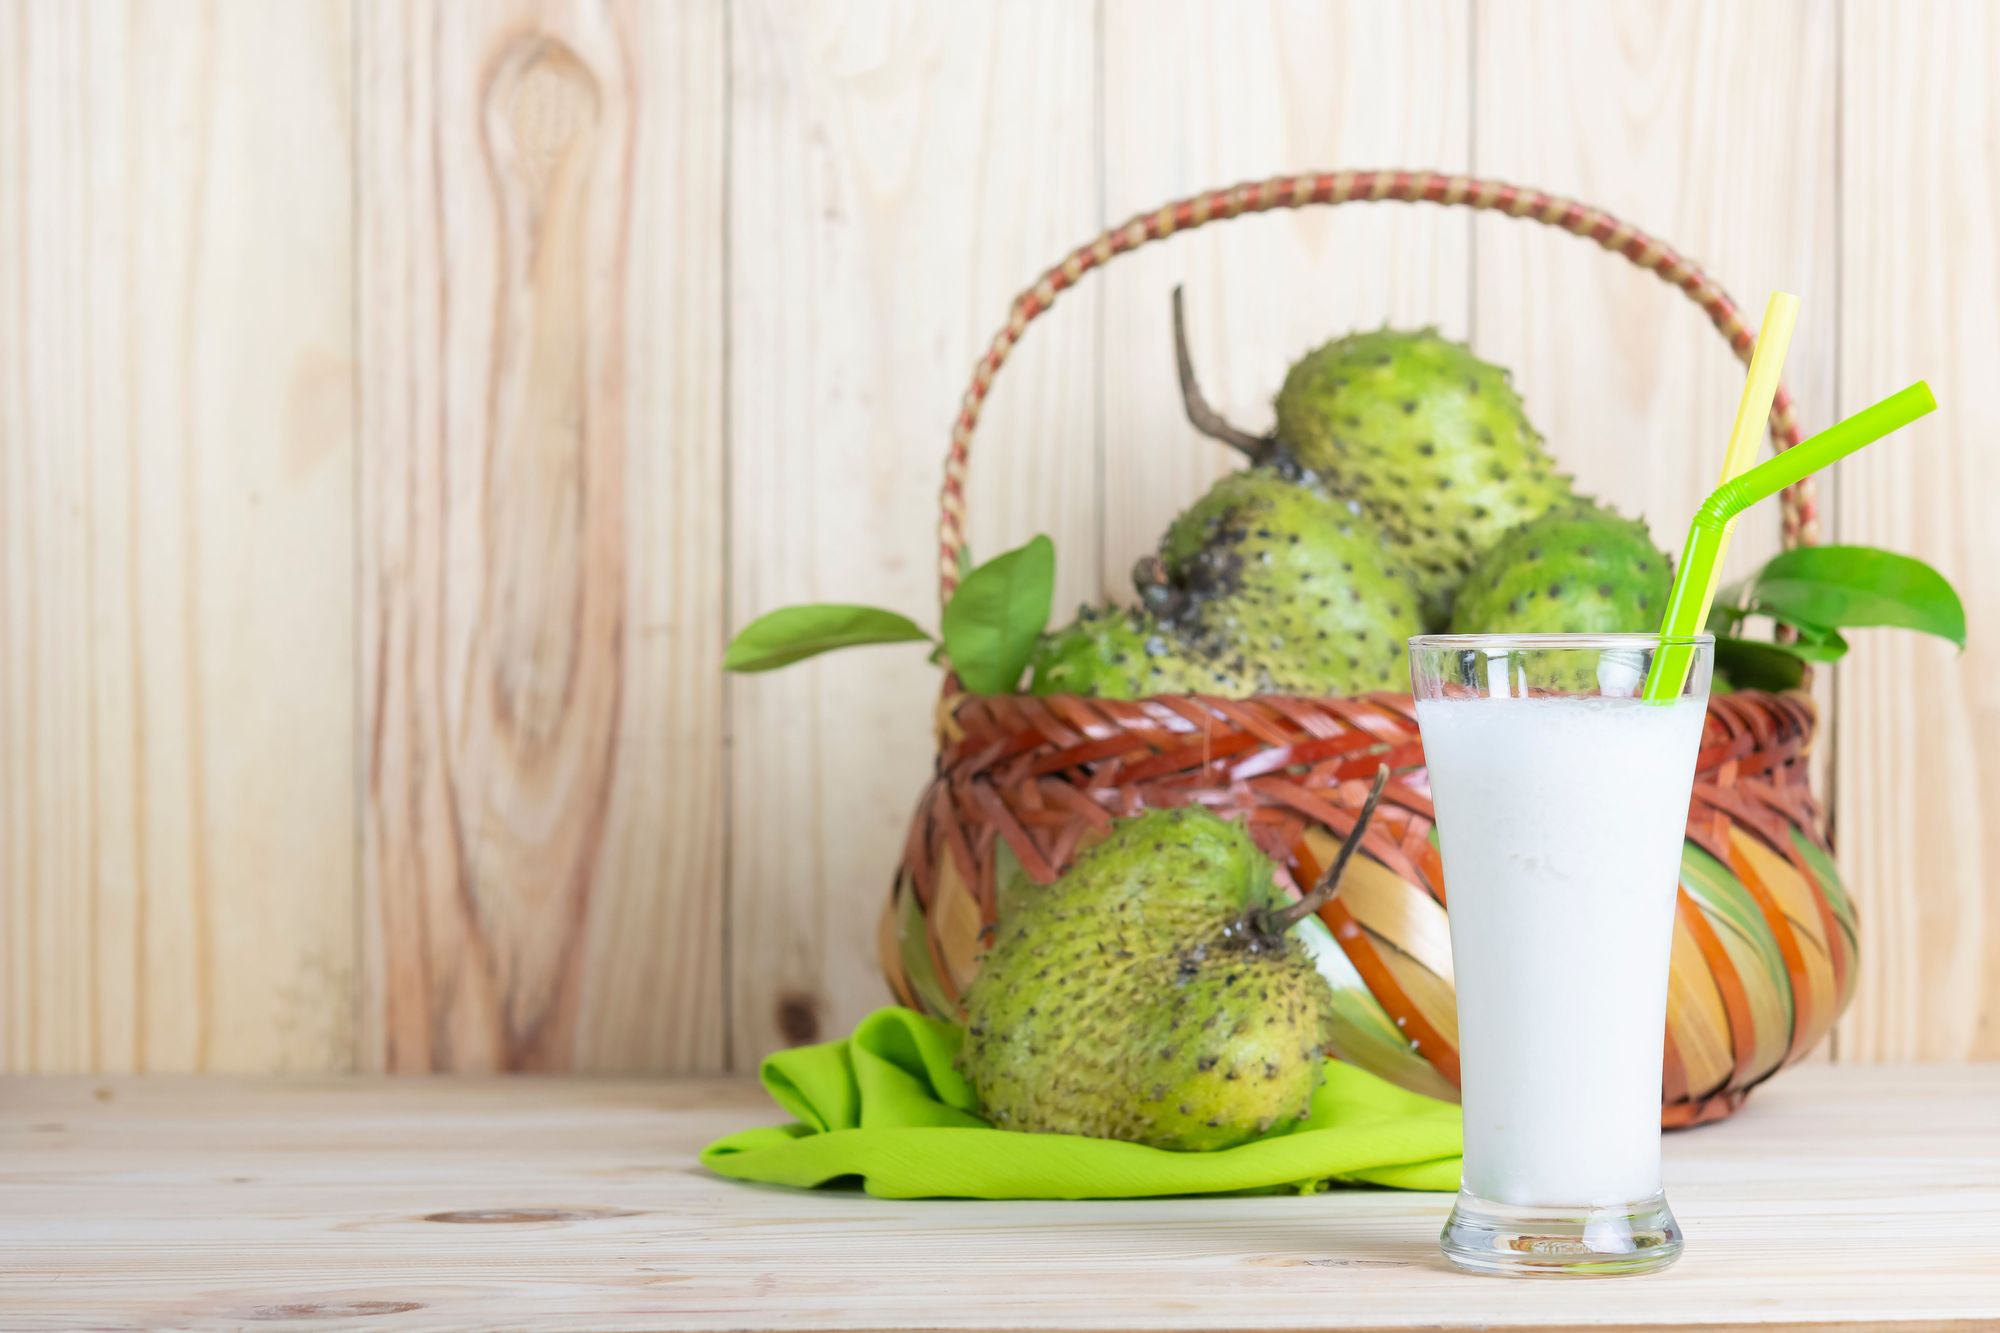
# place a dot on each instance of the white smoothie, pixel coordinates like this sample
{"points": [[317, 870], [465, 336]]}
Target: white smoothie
{"points": [[1561, 821]]}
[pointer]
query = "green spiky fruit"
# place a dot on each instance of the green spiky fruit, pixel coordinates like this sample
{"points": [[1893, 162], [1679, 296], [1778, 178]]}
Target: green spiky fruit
{"points": [[1137, 997], [1581, 569], [1276, 581], [1114, 653], [1431, 440]]}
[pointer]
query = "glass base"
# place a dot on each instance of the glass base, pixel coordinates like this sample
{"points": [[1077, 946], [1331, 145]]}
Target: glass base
{"points": [[1510, 1240]]}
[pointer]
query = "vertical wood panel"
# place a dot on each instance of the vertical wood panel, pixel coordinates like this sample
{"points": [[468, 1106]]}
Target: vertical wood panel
{"points": [[1709, 124], [897, 174], [541, 440], [664, 313], [1199, 95], [1919, 782], [176, 546]]}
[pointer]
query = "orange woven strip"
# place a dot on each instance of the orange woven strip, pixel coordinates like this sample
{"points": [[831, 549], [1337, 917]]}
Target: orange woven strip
{"points": [[956, 844], [1674, 1079], [1804, 1029], [1763, 809], [1375, 974], [1078, 756], [1388, 717], [1686, 1115], [1728, 983], [1274, 758], [1336, 820], [1836, 938], [1382, 984], [1033, 859]]}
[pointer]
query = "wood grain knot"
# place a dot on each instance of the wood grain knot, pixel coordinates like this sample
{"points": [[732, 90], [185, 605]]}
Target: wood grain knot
{"points": [[524, 1216], [798, 1018], [544, 100], [335, 1310]]}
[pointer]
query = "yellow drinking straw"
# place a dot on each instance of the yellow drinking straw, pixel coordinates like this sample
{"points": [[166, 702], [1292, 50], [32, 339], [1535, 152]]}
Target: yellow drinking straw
{"points": [[1694, 583], [1760, 390]]}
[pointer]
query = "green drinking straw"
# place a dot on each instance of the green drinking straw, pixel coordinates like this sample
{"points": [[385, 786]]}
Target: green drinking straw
{"points": [[1695, 583]]}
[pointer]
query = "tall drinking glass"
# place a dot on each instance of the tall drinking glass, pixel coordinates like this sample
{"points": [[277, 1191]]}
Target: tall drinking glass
{"points": [[1561, 802]]}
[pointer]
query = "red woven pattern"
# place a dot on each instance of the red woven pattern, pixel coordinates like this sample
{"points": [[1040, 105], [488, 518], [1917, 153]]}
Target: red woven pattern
{"points": [[1801, 522], [1031, 780]]}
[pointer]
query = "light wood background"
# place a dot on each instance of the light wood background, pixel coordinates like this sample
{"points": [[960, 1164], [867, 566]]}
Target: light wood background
{"points": [[400, 403]]}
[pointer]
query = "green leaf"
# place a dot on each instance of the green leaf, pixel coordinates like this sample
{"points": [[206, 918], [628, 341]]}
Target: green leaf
{"points": [[797, 632], [1753, 665], [992, 621], [1726, 612], [1846, 587], [1815, 644]]}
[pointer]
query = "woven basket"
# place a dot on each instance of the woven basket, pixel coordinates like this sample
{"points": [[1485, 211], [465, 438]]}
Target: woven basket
{"points": [[1764, 940]]}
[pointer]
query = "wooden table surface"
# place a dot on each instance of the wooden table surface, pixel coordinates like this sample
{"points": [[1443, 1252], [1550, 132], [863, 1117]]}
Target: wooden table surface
{"points": [[1841, 1195]]}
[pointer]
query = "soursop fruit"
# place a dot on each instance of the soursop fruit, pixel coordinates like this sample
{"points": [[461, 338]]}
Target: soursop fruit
{"points": [[1433, 442], [1111, 652], [1272, 580], [1150, 994], [1581, 569]]}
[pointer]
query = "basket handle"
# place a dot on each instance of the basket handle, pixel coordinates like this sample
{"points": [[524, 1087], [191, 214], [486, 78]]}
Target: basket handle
{"points": [[1801, 516]]}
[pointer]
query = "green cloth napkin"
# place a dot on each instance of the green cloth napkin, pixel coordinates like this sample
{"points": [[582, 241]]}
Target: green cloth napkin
{"points": [[887, 1106]]}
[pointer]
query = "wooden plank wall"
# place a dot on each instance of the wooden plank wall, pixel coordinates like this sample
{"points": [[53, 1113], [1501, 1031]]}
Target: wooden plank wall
{"points": [[541, 258], [401, 402], [178, 864], [862, 286], [1919, 753]]}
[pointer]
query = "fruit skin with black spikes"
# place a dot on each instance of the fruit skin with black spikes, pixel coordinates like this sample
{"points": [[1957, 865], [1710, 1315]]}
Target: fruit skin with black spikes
{"points": [[1432, 443], [1276, 582], [1155, 992], [1115, 652], [1580, 569]]}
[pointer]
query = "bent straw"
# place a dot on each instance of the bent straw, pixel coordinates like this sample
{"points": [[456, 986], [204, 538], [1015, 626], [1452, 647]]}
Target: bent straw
{"points": [[1694, 584], [1760, 390]]}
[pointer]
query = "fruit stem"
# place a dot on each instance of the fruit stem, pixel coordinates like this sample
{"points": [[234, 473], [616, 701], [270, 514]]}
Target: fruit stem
{"points": [[1279, 922], [1203, 417]]}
